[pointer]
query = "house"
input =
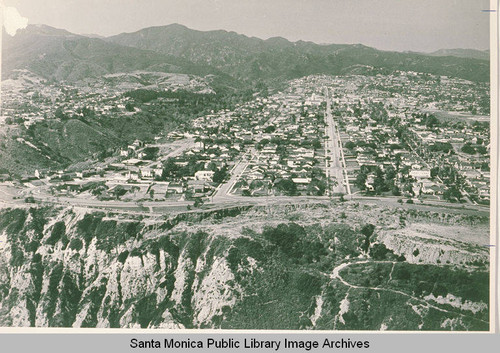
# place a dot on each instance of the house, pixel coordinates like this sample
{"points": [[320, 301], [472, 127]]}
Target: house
{"points": [[198, 186], [200, 145], [484, 192], [132, 175], [138, 143], [438, 189], [206, 175], [420, 173], [158, 172], [370, 179], [471, 174], [175, 188], [303, 181], [146, 173], [426, 186]]}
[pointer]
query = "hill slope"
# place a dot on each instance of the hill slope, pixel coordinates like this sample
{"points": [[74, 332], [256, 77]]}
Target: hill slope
{"points": [[245, 57], [463, 53], [70, 268], [60, 55]]}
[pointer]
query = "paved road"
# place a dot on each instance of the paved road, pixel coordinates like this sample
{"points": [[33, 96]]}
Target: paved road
{"points": [[227, 201], [183, 145], [334, 166], [223, 191]]}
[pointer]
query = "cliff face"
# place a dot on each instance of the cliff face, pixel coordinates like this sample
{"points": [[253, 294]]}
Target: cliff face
{"points": [[243, 268], [85, 270], [426, 249]]}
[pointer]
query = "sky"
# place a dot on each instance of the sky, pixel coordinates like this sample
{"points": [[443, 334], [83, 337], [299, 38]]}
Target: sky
{"points": [[400, 25]]}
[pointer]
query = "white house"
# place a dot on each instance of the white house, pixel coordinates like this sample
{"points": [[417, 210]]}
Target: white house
{"points": [[420, 173], [206, 175]]}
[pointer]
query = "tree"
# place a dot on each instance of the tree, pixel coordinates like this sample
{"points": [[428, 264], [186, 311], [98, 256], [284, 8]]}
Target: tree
{"points": [[119, 191], [169, 169], [350, 145], [390, 173], [255, 184], [367, 231], [150, 153], [444, 147], [431, 121], [316, 143], [361, 179], [408, 187], [379, 182], [452, 194], [129, 107], [59, 114], [287, 237], [287, 186], [434, 172], [481, 149], [198, 202], [467, 148], [317, 187], [270, 129], [379, 252], [395, 191], [220, 175]]}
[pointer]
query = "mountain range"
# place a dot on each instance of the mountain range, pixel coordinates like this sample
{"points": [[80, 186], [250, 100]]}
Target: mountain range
{"points": [[463, 53], [234, 58]]}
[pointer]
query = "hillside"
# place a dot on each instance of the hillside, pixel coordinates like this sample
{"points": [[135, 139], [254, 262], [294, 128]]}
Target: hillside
{"points": [[91, 136], [306, 265], [253, 58], [463, 53], [59, 55]]}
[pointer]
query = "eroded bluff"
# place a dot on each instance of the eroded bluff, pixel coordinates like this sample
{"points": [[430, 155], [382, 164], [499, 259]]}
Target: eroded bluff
{"points": [[85, 270], [62, 267]]}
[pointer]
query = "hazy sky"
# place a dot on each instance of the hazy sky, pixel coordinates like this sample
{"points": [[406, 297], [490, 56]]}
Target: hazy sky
{"points": [[418, 25]]}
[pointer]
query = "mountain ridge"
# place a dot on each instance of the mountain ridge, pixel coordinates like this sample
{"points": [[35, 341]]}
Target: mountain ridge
{"points": [[463, 53], [61, 55]]}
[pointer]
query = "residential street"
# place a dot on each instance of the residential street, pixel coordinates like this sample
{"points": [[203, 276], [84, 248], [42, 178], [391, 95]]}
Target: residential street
{"points": [[334, 165]]}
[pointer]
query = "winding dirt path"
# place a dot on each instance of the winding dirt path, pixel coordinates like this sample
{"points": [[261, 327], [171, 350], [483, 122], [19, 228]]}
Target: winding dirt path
{"points": [[336, 275]]}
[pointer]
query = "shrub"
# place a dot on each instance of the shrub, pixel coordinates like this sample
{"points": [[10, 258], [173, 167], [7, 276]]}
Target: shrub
{"points": [[58, 231], [123, 256], [76, 244]]}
